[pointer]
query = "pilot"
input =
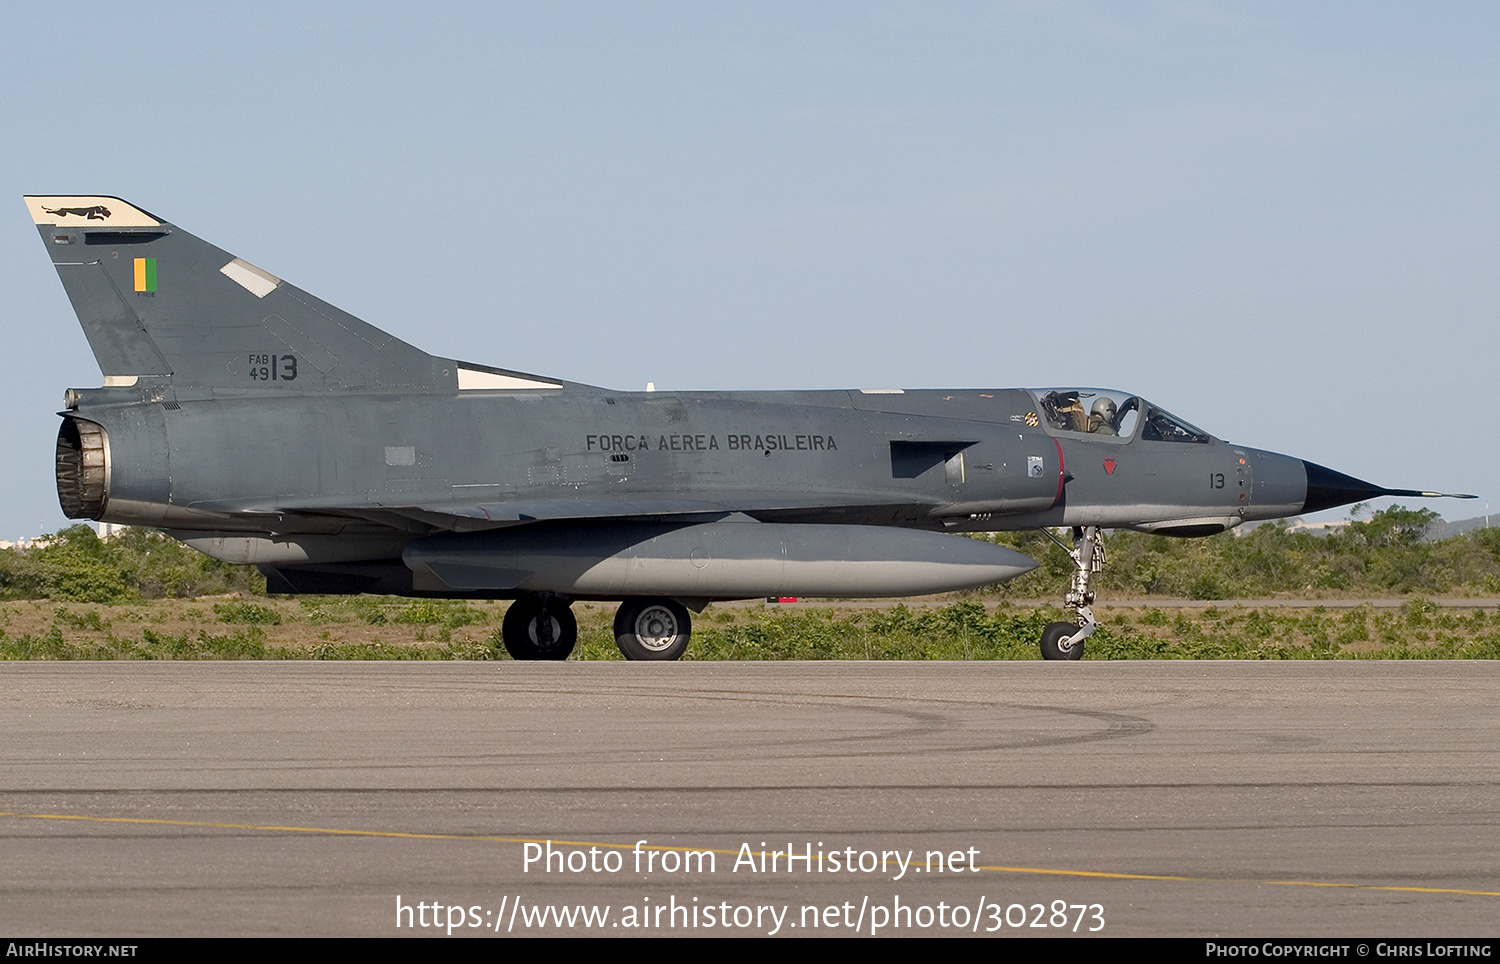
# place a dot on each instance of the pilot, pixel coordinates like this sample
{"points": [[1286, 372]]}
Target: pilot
{"points": [[1102, 418]]}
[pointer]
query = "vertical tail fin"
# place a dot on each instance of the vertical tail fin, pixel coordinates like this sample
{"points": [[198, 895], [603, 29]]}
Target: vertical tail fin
{"points": [[158, 303]]}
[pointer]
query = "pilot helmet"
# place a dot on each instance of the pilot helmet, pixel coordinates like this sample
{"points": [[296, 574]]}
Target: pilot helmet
{"points": [[1105, 409]]}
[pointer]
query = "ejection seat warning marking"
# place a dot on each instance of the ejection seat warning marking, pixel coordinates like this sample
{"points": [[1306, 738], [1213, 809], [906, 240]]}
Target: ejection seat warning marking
{"points": [[710, 443]]}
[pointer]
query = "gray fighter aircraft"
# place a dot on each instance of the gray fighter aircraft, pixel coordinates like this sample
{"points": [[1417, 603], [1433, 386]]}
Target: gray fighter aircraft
{"points": [[261, 425]]}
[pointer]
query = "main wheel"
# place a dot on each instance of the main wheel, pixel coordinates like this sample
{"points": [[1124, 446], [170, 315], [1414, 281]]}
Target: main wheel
{"points": [[1053, 646], [652, 629], [538, 629]]}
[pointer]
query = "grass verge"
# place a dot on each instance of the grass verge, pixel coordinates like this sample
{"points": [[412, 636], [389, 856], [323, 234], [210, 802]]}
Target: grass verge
{"points": [[376, 628]]}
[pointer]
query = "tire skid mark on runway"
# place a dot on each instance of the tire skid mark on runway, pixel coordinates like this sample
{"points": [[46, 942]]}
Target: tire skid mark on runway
{"points": [[678, 692], [927, 723], [773, 697], [1041, 871], [747, 787], [1118, 724], [888, 741], [923, 732], [1032, 736]]}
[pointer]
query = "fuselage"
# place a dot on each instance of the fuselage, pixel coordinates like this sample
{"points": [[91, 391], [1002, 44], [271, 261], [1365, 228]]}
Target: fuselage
{"points": [[282, 471]]}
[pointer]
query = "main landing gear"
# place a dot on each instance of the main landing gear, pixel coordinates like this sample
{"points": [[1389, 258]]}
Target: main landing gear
{"points": [[1065, 640], [652, 629], [540, 625]]}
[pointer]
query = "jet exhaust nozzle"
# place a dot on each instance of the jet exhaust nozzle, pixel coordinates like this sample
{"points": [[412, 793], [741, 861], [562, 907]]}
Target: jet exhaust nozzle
{"points": [[82, 468]]}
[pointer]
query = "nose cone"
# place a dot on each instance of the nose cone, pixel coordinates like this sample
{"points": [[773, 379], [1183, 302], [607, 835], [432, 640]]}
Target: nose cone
{"points": [[1327, 488]]}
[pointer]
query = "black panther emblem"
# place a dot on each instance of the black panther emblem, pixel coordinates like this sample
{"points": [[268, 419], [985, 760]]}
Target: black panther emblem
{"points": [[96, 213]]}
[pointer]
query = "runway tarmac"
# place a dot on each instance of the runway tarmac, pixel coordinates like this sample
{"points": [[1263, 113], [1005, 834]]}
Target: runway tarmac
{"points": [[1342, 798]]}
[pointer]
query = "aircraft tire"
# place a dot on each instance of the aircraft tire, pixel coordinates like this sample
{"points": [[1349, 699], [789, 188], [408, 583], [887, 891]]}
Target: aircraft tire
{"points": [[1052, 638], [523, 619], [652, 628]]}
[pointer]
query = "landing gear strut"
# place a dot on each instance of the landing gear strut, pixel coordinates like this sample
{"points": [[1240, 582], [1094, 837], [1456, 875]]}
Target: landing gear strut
{"points": [[1065, 640], [539, 625]]}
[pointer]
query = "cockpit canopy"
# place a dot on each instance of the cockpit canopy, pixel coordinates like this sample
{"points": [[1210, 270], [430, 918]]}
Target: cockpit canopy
{"points": [[1103, 414]]}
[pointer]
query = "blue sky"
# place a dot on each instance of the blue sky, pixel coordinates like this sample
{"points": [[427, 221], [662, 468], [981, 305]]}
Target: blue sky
{"points": [[1277, 220]]}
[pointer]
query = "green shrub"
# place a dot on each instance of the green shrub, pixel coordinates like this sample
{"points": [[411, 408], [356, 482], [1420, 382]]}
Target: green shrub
{"points": [[238, 611]]}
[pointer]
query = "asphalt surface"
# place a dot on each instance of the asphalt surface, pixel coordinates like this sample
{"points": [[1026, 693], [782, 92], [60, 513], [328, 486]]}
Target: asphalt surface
{"points": [[1150, 602], [1345, 798]]}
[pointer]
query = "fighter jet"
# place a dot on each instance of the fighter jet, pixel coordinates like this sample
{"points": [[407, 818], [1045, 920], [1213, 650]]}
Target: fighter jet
{"points": [[260, 425]]}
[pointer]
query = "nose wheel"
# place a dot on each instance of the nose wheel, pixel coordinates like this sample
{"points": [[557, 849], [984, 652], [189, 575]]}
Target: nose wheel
{"points": [[1065, 640], [1058, 643]]}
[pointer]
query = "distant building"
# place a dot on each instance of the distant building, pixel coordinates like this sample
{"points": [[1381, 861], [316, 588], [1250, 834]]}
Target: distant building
{"points": [[1296, 525], [1316, 528]]}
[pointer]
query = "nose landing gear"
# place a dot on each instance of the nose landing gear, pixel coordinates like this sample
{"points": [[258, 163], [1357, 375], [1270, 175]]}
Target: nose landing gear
{"points": [[1065, 640]]}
